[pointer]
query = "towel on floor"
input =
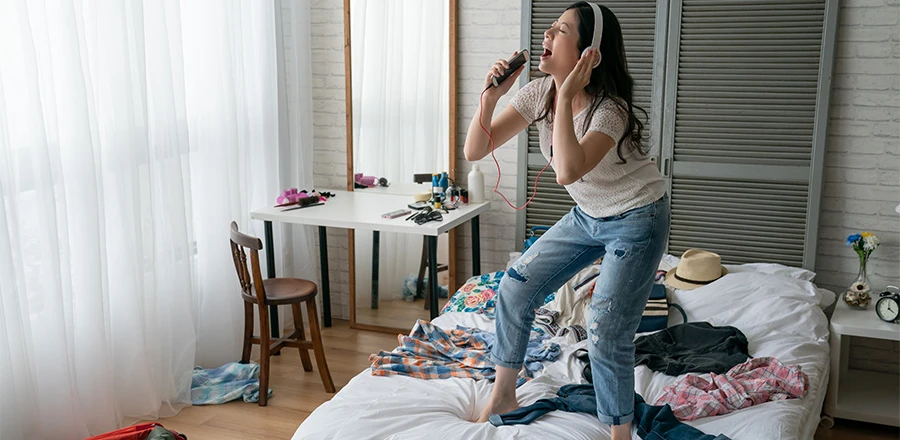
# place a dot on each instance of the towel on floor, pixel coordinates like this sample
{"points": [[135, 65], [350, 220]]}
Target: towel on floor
{"points": [[229, 382]]}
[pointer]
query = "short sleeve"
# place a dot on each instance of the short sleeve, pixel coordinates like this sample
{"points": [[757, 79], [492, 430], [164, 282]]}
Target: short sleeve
{"points": [[528, 99], [610, 120]]}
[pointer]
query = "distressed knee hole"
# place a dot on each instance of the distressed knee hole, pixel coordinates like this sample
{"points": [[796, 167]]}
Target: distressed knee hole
{"points": [[620, 253], [602, 304], [517, 271], [514, 274]]}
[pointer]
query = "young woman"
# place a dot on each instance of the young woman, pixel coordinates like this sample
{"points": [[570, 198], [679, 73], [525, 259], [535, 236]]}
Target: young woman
{"points": [[590, 131]]}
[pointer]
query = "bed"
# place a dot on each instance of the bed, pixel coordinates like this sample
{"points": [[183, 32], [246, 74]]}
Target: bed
{"points": [[776, 307]]}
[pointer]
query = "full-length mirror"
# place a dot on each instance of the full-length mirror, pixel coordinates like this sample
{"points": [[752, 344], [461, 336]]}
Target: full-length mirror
{"points": [[401, 122]]}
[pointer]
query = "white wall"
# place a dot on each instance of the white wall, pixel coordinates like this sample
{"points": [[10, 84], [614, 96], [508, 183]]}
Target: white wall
{"points": [[862, 162]]}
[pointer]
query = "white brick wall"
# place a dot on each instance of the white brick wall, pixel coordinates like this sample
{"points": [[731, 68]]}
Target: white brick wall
{"points": [[487, 31], [330, 161], [862, 161]]}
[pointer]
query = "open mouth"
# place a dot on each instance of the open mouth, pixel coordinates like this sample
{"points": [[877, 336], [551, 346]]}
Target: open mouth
{"points": [[546, 53]]}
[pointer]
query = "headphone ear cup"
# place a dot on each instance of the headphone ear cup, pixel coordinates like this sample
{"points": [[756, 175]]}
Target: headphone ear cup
{"points": [[599, 56]]}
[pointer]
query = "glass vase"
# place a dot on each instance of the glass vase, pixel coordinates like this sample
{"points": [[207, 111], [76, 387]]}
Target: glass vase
{"points": [[857, 296]]}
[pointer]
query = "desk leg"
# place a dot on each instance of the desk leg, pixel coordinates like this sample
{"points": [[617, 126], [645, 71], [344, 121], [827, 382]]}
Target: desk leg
{"points": [[375, 250], [433, 284], [270, 268], [476, 247], [323, 264]]}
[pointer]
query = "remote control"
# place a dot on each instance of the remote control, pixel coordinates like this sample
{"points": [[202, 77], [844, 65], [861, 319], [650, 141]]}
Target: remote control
{"points": [[516, 62], [395, 214]]}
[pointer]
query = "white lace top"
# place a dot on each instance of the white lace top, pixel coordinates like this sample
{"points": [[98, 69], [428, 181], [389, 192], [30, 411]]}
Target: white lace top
{"points": [[612, 187]]}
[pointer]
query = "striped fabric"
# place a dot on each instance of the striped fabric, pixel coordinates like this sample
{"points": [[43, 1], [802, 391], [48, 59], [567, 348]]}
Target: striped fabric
{"points": [[657, 307]]}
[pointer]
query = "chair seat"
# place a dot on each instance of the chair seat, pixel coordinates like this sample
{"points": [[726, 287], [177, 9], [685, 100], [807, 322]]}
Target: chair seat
{"points": [[285, 291]]}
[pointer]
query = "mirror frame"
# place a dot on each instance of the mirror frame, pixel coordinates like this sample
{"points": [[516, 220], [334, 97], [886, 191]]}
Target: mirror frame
{"points": [[348, 99]]}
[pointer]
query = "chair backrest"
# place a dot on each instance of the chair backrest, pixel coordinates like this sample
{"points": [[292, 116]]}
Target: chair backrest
{"points": [[239, 241]]}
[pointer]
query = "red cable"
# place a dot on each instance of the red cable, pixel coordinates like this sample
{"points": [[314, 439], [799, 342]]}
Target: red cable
{"points": [[497, 185]]}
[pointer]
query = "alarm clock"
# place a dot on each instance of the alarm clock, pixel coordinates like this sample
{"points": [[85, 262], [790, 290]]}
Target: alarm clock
{"points": [[888, 305]]}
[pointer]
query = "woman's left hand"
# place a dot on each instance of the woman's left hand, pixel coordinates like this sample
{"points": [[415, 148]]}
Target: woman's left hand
{"points": [[579, 77]]}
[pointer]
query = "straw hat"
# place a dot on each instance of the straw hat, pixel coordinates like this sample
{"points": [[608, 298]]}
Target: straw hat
{"points": [[696, 268]]}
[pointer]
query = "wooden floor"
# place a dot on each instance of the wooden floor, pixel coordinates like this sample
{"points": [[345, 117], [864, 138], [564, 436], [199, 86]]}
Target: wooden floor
{"points": [[398, 313], [297, 393]]}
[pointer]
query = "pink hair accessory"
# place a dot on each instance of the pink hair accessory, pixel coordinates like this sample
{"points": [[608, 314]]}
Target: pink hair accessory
{"points": [[291, 196]]}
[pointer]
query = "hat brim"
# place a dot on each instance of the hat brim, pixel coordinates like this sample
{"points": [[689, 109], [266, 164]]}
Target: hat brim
{"points": [[685, 285]]}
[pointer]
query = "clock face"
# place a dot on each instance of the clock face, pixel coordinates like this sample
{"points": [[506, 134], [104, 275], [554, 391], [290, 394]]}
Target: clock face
{"points": [[887, 309]]}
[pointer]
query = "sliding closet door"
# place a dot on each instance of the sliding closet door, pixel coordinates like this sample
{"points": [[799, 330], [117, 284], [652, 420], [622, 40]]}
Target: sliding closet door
{"points": [[643, 25], [746, 97]]}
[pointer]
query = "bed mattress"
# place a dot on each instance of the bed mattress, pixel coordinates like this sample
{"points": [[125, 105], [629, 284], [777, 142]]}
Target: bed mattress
{"points": [[781, 316]]}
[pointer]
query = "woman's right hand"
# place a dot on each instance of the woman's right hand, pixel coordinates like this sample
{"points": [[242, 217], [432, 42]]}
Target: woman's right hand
{"points": [[496, 70]]}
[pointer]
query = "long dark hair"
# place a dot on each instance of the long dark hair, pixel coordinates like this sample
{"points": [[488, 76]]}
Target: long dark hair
{"points": [[610, 80]]}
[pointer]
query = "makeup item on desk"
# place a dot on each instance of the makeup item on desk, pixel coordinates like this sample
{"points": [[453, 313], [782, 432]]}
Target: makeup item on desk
{"points": [[290, 196], [395, 214], [423, 212], [444, 182], [476, 185], [437, 192], [302, 206], [423, 218]]}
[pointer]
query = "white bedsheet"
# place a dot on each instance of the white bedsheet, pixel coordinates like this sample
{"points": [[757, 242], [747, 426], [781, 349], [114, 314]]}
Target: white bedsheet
{"points": [[781, 317]]}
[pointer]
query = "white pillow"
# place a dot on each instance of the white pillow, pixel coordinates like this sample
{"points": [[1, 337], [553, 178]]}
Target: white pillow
{"points": [[670, 261], [758, 303]]}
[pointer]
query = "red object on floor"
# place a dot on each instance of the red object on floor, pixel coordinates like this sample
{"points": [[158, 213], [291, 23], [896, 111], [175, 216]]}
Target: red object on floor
{"points": [[134, 432]]}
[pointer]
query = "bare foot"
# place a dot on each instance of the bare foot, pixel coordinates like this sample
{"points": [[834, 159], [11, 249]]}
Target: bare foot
{"points": [[621, 431], [499, 405]]}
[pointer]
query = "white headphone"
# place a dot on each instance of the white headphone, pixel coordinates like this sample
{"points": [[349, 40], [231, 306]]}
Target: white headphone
{"points": [[598, 32]]}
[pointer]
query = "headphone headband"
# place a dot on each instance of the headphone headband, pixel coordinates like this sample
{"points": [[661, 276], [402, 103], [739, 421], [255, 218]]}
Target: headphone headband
{"points": [[598, 30]]}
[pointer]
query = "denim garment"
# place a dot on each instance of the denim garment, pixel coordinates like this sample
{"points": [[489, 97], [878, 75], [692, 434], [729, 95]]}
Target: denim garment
{"points": [[651, 422], [631, 244], [692, 347]]}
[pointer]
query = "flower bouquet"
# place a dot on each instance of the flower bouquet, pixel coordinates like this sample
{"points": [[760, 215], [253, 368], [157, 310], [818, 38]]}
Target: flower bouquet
{"points": [[863, 244]]}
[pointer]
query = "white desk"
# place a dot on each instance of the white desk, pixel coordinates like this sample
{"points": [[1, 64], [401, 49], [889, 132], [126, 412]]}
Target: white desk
{"points": [[362, 210], [860, 395]]}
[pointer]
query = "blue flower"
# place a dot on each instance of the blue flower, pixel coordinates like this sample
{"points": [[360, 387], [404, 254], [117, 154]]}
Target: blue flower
{"points": [[853, 239]]}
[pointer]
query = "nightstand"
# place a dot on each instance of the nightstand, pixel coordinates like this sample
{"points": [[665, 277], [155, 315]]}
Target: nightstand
{"points": [[860, 395]]}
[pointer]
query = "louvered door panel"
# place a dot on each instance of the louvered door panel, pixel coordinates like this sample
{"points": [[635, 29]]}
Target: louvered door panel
{"points": [[742, 220], [741, 138], [552, 202], [638, 22]]}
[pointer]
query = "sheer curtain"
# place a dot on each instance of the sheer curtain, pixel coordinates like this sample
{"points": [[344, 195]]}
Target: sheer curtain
{"points": [[400, 61], [131, 134]]}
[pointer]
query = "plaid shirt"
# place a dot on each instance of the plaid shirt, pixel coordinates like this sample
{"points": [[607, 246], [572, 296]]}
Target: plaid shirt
{"points": [[753, 382], [430, 352]]}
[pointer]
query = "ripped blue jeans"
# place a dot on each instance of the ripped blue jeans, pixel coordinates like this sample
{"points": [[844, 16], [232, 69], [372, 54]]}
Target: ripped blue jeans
{"points": [[631, 244]]}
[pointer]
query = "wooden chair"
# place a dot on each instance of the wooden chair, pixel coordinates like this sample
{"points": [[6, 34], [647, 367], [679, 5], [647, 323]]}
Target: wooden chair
{"points": [[275, 291]]}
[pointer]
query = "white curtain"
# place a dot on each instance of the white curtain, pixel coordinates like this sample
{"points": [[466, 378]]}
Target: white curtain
{"points": [[400, 73], [131, 134]]}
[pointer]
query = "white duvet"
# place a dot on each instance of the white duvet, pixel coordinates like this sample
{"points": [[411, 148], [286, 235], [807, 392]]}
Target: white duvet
{"points": [[780, 315]]}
